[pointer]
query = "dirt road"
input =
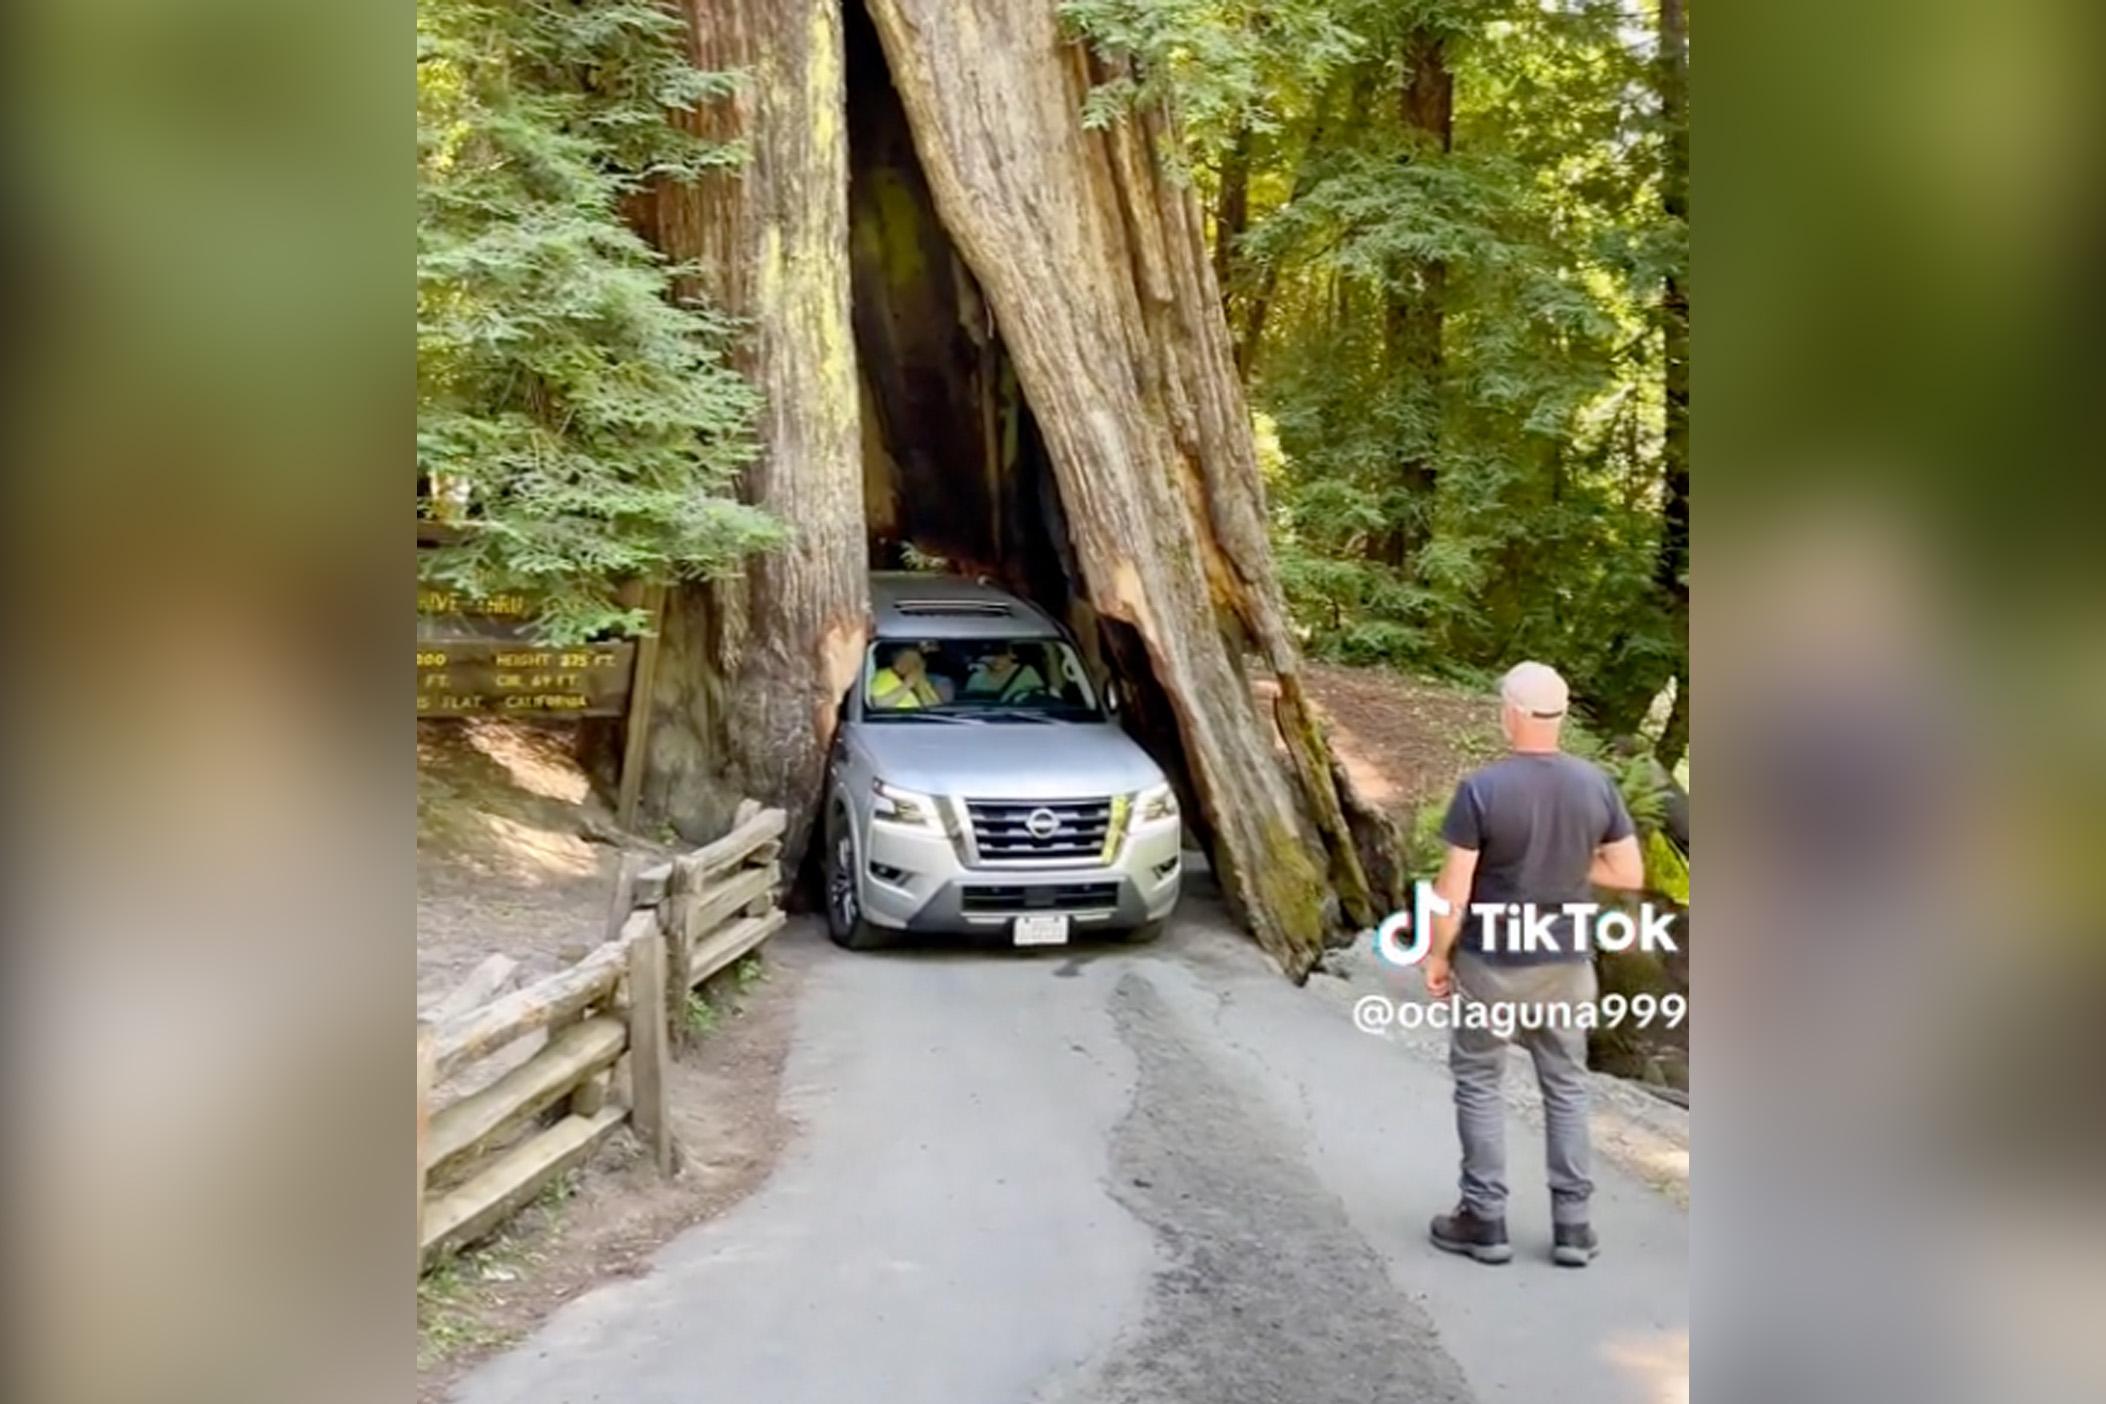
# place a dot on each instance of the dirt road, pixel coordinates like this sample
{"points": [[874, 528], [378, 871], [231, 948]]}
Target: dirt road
{"points": [[1112, 1174]]}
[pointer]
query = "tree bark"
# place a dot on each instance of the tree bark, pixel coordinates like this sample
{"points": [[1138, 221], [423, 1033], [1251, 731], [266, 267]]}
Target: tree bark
{"points": [[754, 668], [1097, 271], [1672, 569]]}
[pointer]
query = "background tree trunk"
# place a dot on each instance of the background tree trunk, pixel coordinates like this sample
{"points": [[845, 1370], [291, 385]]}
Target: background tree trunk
{"points": [[1672, 574], [1232, 209], [754, 668], [1413, 321], [1097, 271]]}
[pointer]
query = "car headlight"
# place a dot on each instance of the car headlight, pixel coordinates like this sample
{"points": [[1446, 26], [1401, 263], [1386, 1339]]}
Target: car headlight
{"points": [[899, 806], [1157, 802]]}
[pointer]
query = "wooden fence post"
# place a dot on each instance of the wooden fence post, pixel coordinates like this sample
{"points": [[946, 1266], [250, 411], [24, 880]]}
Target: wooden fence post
{"points": [[647, 1046], [623, 898], [678, 939], [762, 903], [427, 1062], [629, 787], [590, 1095]]}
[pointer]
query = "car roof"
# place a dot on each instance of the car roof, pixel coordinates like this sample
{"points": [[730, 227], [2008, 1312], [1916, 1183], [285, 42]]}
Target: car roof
{"points": [[912, 605]]}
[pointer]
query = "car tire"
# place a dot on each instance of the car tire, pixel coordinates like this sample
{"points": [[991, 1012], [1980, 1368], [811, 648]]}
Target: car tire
{"points": [[844, 911], [1143, 934]]}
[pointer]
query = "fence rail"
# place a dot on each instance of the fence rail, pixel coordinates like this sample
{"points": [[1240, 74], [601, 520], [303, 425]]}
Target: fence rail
{"points": [[610, 1024]]}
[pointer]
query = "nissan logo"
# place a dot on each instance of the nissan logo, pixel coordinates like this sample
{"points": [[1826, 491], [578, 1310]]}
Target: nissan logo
{"points": [[1042, 823]]}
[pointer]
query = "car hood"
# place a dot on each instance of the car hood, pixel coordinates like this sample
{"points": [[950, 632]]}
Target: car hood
{"points": [[1007, 760]]}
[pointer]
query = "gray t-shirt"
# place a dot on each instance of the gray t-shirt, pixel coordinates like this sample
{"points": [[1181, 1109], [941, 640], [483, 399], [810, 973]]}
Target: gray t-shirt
{"points": [[1535, 821]]}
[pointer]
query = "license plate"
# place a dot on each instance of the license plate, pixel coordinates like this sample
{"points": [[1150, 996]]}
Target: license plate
{"points": [[1040, 931]]}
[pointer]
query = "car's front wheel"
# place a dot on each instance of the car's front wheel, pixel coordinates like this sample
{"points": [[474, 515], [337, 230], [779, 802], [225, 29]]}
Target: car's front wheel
{"points": [[844, 902]]}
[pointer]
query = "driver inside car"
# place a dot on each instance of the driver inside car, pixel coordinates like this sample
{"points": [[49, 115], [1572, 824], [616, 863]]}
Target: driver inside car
{"points": [[1001, 676]]}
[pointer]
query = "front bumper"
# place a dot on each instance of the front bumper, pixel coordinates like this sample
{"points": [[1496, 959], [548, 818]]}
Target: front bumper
{"points": [[915, 879]]}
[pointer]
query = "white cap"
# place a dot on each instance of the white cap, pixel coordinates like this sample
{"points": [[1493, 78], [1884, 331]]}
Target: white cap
{"points": [[1536, 689]]}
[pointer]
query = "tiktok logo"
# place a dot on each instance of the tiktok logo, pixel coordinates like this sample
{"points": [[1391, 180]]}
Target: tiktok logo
{"points": [[1390, 937], [1524, 929]]}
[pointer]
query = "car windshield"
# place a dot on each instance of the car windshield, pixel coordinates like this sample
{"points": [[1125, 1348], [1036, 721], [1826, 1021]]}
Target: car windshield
{"points": [[989, 678]]}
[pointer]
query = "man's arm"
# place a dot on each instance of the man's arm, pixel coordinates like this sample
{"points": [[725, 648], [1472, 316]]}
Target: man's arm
{"points": [[1618, 865], [1452, 886], [1462, 831]]}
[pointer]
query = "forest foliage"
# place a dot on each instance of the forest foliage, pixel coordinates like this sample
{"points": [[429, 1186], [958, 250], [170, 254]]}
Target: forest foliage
{"points": [[1445, 237], [579, 421], [1451, 238]]}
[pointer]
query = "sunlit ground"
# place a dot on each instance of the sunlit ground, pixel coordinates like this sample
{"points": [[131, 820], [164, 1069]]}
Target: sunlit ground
{"points": [[1660, 1360], [535, 765], [552, 854]]}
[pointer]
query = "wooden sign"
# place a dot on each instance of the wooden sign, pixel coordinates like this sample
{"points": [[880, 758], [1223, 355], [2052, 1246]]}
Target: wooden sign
{"points": [[436, 601], [478, 657], [510, 677]]}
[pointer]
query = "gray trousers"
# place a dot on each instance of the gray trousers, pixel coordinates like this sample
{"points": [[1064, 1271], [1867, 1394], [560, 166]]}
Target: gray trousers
{"points": [[1477, 1057]]}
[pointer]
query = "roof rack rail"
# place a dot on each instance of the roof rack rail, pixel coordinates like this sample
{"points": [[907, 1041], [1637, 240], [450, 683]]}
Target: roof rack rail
{"points": [[989, 607]]}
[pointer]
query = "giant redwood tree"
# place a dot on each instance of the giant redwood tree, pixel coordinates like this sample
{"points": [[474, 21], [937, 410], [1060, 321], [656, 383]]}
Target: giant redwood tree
{"points": [[991, 332], [754, 667]]}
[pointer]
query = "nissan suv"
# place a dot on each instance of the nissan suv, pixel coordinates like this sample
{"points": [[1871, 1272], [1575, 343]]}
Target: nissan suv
{"points": [[980, 782]]}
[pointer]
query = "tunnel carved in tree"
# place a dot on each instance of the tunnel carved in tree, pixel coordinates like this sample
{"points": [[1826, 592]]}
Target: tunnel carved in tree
{"points": [[999, 340], [1096, 270]]}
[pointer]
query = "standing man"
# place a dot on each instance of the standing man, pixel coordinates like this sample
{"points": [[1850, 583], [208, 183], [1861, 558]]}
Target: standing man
{"points": [[1540, 828]]}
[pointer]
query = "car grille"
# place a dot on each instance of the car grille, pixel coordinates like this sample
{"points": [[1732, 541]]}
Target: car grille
{"points": [[1002, 828], [1062, 897]]}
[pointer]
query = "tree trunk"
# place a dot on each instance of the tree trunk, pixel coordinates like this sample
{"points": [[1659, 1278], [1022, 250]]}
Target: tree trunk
{"points": [[1096, 268], [1672, 569], [1416, 310], [1232, 209], [754, 668]]}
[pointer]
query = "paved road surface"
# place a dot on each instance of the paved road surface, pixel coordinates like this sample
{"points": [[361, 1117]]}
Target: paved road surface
{"points": [[1103, 1175]]}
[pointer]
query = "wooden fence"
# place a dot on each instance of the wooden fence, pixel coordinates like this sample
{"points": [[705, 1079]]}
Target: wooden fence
{"points": [[609, 1024]]}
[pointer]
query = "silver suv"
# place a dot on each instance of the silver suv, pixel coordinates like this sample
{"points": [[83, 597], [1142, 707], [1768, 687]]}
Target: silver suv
{"points": [[980, 782]]}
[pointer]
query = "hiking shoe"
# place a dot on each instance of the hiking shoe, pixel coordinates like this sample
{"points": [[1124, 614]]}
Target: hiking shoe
{"points": [[1574, 1245], [1463, 1232]]}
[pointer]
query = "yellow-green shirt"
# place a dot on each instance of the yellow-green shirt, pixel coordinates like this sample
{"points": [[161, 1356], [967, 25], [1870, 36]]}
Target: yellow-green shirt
{"points": [[890, 691]]}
